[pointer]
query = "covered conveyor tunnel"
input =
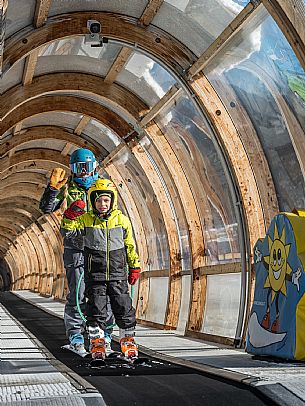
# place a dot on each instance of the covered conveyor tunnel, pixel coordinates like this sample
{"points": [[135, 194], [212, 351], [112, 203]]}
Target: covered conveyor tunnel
{"points": [[195, 110]]}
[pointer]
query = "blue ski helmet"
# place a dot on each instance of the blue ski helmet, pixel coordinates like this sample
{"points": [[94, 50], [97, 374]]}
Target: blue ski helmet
{"points": [[83, 162]]}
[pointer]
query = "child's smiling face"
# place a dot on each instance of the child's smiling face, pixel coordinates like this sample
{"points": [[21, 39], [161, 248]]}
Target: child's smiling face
{"points": [[102, 204]]}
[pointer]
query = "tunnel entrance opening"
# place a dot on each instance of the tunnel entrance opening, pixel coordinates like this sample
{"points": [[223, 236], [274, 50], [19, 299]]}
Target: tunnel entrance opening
{"points": [[5, 279]]}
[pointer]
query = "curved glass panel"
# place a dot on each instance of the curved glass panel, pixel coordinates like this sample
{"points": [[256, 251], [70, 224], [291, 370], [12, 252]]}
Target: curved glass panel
{"points": [[103, 101], [191, 140], [148, 208], [133, 8], [102, 134], [47, 144], [73, 54], [145, 77], [174, 202], [60, 119], [19, 15], [197, 23], [157, 300], [12, 77], [222, 304], [257, 74]]}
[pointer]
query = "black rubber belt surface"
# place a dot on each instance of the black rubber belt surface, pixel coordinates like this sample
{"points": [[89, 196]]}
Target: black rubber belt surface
{"points": [[161, 384]]}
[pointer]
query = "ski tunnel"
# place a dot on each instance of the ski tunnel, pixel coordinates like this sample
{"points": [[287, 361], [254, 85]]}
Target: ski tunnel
{"points": [[196, 111]]}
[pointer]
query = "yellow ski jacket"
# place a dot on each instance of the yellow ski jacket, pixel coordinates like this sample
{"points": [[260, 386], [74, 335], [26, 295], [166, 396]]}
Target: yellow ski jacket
{"points": [[108, 244]]}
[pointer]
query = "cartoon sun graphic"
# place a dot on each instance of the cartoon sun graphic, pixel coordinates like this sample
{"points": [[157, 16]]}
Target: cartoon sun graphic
{"points": [[278, 265]]}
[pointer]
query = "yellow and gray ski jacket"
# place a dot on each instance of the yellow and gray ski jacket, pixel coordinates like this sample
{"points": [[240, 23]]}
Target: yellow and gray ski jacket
{"points": [[108, 244]]}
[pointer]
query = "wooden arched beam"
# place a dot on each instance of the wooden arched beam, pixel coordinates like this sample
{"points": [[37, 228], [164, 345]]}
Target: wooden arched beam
{"points": [[39, 255], [190, 208], [24, 190], [48, 132], [24, 203], [174, 291], [20, 254], [20, 210], [32, 260], [11, 263], [11, 229], [232, 143], [71, 81], [5, 243], [115, 26], [23, 177], [16, 218], [30, 164], [35, 154], [66, 103]]}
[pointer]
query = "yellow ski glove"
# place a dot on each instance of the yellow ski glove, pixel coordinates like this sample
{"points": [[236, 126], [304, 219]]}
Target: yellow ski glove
{"points": [[58, 178]]}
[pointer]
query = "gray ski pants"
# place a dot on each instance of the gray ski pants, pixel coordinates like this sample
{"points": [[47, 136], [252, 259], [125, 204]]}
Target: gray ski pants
{"points": [[74, 267]]}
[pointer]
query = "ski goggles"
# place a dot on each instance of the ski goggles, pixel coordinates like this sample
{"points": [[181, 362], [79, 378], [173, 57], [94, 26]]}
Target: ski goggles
{"points": [[81, 168]]}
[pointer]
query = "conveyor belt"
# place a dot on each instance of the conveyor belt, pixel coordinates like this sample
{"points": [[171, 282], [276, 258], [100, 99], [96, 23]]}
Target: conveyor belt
{"points": [[159, 383]]}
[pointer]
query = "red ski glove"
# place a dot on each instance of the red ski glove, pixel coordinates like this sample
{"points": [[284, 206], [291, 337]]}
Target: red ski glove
{"points": [[133, 275], [75, 210]]}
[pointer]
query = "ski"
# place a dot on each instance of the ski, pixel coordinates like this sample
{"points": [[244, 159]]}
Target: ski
{"points": [[82, 354], [117, 358], [116, 355]]}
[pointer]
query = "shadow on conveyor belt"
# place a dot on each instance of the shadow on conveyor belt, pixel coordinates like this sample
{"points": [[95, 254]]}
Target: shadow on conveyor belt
{"points": [[159, 383]]}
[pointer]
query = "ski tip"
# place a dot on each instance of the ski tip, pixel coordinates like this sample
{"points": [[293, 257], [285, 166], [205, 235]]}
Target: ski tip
{"points": [[82, 354]]}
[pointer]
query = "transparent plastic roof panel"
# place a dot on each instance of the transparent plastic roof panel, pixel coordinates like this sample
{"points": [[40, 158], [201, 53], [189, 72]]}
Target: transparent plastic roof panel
{"points": [[191, 139], [45, 144], [257, 74], [102, 134], [20, 13], [132, 8], [74, 54], [146, 78], [116, 108], [197, 23], [148, 207], [155, 157], [12, 77], [66, 120]]}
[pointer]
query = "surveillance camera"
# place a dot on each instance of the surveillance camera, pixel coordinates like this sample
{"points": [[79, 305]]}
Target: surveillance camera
{"points": [[94, 26]]}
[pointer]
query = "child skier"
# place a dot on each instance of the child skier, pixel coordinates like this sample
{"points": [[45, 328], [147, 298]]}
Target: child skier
{"points": [[108, 244]]}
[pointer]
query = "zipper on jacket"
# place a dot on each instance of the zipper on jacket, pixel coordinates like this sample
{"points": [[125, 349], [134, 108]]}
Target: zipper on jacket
{"points": [[87, 202], [89, 262], [107, 252]]}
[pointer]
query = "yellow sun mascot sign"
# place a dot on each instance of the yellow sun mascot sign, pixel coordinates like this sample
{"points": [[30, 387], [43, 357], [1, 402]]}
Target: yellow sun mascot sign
{"points": [[277, 320]]}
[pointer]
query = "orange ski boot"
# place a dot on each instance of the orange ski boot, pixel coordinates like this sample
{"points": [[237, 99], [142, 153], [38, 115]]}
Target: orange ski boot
{"points": [[129, 348], [97, 348]]}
